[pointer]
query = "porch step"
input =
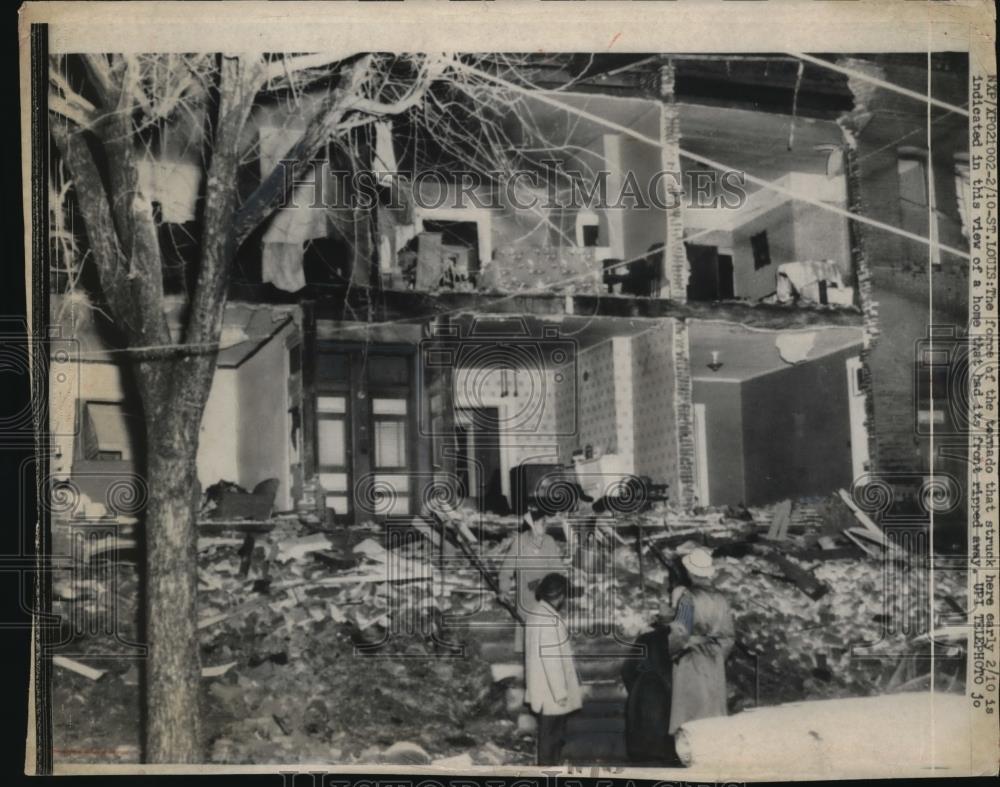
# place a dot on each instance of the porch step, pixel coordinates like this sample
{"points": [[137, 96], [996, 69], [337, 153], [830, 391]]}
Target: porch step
{"points": [[604, 647], [603, 709], [598, 668], [581, 724], [499, 651], [596, 748], [605, 691]]}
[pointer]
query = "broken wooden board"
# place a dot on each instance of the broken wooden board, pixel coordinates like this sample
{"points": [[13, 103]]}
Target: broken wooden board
{"points": [[834, 553], [879, 539], [868, 549], [803, 579], [860, 515], [780, 521], [80, 669], [217, 670]]}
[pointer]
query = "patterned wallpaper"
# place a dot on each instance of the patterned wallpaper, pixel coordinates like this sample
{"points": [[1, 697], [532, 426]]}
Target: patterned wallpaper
{"points": [[620, 400], [528, 425], [624, 400], [653, 394], [595, 402]]}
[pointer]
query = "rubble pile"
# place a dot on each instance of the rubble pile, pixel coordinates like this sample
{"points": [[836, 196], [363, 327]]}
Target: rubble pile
{"points": [[353, 646], [339, 655], [817, 616], [301, 660], [812, 622]]}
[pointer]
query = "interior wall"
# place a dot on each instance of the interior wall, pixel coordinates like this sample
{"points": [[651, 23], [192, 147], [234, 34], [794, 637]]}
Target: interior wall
{"points": [[596, 422], [779, 223], [218, 441], [263, 429], [527, 413], [106, 382], [822, 235], [653, 386], [797, 430], [724, 439], [796, 232], [641, 226]]}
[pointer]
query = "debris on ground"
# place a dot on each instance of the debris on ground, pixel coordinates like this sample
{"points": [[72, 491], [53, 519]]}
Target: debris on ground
{"points": [[348, 646]]}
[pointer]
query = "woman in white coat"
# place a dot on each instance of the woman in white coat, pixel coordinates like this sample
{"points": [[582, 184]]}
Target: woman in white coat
{"points": [[552, 686]]}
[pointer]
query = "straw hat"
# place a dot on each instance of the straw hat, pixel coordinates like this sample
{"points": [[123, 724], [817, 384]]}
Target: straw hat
{"points": [[698, 563]]}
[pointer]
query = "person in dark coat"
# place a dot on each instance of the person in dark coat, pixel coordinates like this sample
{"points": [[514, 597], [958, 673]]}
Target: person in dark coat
{"points": [[648, 680]]}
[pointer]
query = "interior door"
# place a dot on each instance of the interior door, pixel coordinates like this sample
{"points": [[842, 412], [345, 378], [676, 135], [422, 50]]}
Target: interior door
{"points": [[727, 289], [364, 430], [703, 262]]}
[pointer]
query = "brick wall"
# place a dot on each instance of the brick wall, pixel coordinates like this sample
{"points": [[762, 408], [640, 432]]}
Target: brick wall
{"points": [[897, 282], [675, 262]]}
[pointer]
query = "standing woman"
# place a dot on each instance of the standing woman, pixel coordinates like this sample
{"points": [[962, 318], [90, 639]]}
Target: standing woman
{"points": [[533, 554], [551, 684], [701, 637]]}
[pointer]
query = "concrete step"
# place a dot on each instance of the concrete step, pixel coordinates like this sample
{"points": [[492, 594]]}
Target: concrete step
{"points": [[490, 613], [484, 631], [497, 644], [605, 691], [604, 646], [497, 651], [614, 708], [599, 668], [579, 724], [596, 748]]}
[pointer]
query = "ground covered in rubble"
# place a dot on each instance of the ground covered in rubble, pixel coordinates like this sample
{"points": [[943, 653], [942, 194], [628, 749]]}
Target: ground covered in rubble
{"points": [[294, 670], [333, 647]]}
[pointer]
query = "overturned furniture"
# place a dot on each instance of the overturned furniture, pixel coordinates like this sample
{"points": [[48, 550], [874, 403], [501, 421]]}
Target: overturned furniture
{"points": [[232, 502]]}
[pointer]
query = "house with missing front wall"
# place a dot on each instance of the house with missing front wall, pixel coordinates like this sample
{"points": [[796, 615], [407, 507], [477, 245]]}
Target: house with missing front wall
{"points": [[738, 340]]}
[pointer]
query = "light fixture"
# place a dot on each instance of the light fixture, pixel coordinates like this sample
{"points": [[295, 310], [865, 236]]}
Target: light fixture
{"points": [[716, 364]]}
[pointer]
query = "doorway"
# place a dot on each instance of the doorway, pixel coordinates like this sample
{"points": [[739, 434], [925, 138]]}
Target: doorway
{"points": [[460, 248], [479, 462], [711, 274], [364, 448]]}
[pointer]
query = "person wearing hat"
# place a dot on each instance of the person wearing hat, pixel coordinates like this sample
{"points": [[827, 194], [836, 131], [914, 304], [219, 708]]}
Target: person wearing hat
{"points": [[701, 637], [532, 555], [551, 684]]}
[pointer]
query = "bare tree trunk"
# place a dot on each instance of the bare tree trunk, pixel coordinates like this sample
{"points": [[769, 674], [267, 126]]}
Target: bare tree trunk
{"points": [[173, 671]]}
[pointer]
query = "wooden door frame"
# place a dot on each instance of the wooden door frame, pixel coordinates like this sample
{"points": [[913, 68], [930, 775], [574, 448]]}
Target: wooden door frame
{"points": [[359, 415]]}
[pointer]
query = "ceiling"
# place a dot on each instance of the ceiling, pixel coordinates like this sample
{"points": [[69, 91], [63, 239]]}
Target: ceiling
{"points": [[581, 330], [746, 353], [755, 142]]}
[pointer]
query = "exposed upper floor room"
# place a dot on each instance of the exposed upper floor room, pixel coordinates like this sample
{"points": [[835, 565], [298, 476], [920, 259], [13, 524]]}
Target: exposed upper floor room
{"points": [[560, 174]]}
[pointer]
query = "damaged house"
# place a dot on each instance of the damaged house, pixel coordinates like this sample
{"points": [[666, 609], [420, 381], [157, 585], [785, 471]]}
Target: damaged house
{"points": [[725, 334], [684, 296]]}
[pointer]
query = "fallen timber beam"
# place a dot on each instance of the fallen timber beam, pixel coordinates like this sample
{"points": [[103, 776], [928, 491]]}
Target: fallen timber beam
{"points": [[369, 305]]}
